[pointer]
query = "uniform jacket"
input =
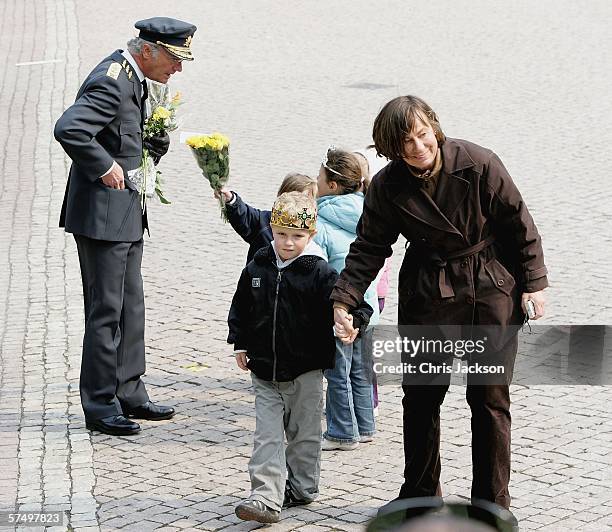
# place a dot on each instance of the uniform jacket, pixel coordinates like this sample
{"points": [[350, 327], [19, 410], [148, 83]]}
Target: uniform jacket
{"points": [[451, 272], [103, 124], [336, 230], [283, 318], [252, 224]]}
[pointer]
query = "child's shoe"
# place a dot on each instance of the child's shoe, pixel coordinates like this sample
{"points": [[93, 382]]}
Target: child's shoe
{"points": [[253, 510], [329, 445], [366, 439]]}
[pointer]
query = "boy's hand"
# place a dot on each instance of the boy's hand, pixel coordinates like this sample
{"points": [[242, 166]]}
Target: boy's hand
{"points": [[227, 194], [241, 360]]}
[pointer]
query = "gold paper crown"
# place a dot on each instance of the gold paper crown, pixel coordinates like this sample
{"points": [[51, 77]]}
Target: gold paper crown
{"points": [[294, 210]]}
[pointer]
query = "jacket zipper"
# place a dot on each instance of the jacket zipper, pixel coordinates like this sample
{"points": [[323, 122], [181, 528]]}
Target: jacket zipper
{"points": [[278, 280]]}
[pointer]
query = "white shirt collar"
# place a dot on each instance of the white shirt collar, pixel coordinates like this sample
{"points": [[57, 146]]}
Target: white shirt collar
{"points": [[134, 65], [312, 248]]}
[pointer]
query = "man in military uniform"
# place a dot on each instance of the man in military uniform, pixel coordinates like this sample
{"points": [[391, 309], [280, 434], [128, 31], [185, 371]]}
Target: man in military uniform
{"points": [[102, 134]]}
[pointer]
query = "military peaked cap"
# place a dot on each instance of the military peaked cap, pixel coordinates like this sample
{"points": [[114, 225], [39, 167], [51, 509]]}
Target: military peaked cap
{"points": [[174, 35]]}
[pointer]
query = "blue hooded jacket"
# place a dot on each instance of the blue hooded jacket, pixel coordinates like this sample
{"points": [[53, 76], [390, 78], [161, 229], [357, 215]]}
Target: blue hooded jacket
{"points": [[336, 230]]}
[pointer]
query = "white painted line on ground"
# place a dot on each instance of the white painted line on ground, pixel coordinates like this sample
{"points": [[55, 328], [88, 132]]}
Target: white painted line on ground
{"points": [[45, 62]]}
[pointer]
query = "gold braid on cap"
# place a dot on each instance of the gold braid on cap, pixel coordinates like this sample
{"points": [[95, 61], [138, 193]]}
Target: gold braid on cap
{"points": [[294, 211], [181, 52]]}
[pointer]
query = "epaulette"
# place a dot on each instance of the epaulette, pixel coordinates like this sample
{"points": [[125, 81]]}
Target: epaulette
{"points": [[115, 69]]}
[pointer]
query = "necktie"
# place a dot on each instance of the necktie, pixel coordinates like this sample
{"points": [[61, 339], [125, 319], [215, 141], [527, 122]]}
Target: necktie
{"points": [[143, 100]]}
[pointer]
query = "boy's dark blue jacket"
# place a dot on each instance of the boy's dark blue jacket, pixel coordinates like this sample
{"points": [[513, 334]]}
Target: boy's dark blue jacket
{"points": [[251, 224], [284, 318]]}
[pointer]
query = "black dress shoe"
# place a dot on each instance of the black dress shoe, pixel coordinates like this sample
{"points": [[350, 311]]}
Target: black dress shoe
{"points": [[252, 510], [114, 425], [150, 411]]}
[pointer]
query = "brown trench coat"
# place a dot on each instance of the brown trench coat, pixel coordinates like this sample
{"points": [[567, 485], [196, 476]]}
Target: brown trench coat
{"points": [[441, 280]]}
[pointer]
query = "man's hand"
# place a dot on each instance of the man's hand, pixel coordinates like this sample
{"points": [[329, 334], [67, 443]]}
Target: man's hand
{"points": [[241, 360], [539, 302], [157, 146], [114, 178]]}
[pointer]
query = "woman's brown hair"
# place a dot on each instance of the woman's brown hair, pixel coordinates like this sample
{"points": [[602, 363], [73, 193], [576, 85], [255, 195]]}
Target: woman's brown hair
{"points": [[343, 168], [294, 182], [397, 119]]}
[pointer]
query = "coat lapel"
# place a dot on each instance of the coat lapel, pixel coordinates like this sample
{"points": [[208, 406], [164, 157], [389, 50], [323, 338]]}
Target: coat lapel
{"points": [[451, 191], [419, 205], [416, 203], [453, 188]]}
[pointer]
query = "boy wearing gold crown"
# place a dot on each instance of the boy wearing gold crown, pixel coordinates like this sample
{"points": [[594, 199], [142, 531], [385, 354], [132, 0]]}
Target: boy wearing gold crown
{"points": [[281, 325]]}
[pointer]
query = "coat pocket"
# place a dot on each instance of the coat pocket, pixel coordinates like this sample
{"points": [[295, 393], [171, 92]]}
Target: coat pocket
{"points": [[501, 278], [120, 207], [130, 136]]}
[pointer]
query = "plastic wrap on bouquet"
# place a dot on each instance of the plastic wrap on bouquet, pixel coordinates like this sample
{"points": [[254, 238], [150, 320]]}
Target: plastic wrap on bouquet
{"points": [[211, 152], [145, 178]]}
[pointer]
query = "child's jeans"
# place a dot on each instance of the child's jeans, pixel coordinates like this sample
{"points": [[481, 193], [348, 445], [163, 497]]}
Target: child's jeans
{"points": [[293, 409], [349, 407]]}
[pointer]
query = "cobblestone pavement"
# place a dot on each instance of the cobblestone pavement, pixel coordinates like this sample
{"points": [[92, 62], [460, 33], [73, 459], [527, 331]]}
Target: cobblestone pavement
{"points": [[527, 79]]}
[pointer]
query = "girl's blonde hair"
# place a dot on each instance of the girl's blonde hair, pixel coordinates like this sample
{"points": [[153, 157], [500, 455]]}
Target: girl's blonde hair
{"points": [[295, 182]]}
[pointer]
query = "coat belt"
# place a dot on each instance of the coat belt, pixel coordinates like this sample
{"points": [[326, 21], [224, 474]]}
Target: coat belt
{"points": [[437, 260]]}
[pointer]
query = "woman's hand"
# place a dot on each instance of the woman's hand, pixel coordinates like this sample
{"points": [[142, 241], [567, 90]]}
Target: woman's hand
{"points": [[227, 194], [343, 324], [241, 360], [539, 302]]}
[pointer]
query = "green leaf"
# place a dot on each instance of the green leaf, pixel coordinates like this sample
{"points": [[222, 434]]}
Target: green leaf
{"points": [[160, 195]]}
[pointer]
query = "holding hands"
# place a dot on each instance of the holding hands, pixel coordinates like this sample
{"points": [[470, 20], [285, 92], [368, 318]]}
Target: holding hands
{"points": [[343, 324]]}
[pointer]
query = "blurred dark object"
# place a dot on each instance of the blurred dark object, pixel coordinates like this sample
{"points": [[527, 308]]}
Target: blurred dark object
{"points": [[431, 514], [361, 318], [157, 146]]}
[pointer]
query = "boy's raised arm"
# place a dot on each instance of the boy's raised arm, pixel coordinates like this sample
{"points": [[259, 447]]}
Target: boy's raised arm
{"points": [[247, 221]]}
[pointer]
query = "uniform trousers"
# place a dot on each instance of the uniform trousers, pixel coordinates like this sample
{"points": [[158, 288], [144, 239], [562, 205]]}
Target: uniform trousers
{"points": [[113, 358]]}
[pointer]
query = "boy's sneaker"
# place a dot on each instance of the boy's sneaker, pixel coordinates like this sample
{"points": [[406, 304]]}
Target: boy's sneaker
{"points": [[329, 445], [291, 500], [252, 510], [366, 439]]}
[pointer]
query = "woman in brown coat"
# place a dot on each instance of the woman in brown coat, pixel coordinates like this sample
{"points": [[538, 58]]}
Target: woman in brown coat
{"points": [[475, 258]]}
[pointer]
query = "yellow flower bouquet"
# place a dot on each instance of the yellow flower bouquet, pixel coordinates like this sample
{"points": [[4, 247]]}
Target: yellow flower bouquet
{"points": [[212, 155]]}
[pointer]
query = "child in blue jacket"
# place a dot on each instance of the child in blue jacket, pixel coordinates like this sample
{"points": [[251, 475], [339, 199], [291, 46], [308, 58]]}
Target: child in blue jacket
{"points": [[349, 403]]}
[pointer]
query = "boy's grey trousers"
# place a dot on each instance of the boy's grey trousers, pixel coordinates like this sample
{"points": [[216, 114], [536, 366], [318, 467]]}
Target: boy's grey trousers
{"points": [[293, 409]]}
